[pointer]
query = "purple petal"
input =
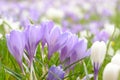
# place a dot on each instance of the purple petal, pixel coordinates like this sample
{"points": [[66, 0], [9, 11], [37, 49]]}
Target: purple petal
{"points": [[33, 36], [65, 52], [52, 39], [55, 72], [16, 45], [46, 28], [79, 51]]}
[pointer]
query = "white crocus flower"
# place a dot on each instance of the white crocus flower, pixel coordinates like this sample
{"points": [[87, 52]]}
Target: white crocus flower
{"points": [[54, 13], [85, 33], [116, 59], [111, 72], [110, 51], [1, 21], [98, 51], [12, 24], [1, 35], [109, 28]]}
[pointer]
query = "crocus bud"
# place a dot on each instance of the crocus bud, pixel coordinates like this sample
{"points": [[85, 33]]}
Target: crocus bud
{"points": [[98, 51], [55, 73], [111, 72]]}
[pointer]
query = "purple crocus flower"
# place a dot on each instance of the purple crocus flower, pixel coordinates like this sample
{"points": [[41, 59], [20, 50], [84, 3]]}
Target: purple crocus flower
{"points": [[66, 50], [56, 40], [34, 13], [33, 36], [74, 50], [16, 45], [55, 73], [102, 36], [46, 27], [79, 51]]}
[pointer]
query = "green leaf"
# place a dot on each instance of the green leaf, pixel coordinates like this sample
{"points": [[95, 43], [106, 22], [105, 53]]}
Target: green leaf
{"points": [[16, 75]]}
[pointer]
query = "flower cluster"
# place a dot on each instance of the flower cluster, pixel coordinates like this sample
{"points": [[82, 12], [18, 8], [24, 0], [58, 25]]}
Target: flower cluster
{"points": [[67, 44], [60, 39]]}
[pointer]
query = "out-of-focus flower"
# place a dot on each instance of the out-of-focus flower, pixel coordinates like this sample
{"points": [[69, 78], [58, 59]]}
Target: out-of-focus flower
{"points": [[110, 50], [1, 35], [98, 51], [116, 59], [110, 28], [16, 45], [95, 26], [34, 14], [13, 25], [102, 36], [55, 73], [111, 72], [53, 13], [1, 21], [84, 34], [56, 40], [33, 36], [77, 11]]}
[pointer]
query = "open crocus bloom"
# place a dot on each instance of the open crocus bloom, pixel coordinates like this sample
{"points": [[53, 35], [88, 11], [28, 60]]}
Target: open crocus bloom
{"points": [[16, 45], [55, 73]]}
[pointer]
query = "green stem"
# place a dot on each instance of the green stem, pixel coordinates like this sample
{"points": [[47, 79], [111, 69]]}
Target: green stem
{"points": [[110, 40], [86, 71], [73, 64], [44, 76], [71, 75]]}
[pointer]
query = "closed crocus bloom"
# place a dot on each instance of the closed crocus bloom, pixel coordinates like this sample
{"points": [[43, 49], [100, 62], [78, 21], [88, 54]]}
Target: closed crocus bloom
{"points": [[102, 36], [98, 51], [111, 72], [55, 73], [46, 28], [79, 51], [56, 40], [33, 36], [16, 45], [66, 50]]}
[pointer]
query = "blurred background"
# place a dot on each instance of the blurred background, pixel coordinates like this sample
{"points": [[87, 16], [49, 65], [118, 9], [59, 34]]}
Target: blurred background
{"points": [[73, 15]]}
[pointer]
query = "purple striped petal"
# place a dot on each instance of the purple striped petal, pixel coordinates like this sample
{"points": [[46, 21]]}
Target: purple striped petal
{"points": [[16, 45], [55, 73]]}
